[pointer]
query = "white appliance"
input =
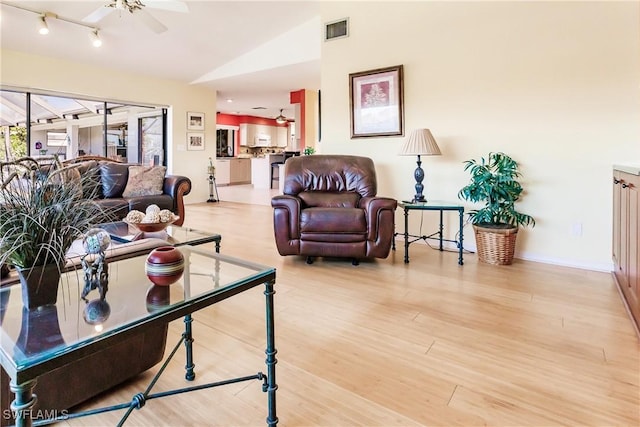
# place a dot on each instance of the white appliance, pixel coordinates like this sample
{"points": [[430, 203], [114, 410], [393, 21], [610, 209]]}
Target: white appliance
{"points": [[262, 140]]}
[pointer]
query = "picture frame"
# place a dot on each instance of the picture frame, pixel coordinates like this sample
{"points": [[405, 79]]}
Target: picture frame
{"points": [[376, 99], [195, 121], [195, 141]]}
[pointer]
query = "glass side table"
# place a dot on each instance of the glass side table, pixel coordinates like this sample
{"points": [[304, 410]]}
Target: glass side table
{"points": [[431, 205]]}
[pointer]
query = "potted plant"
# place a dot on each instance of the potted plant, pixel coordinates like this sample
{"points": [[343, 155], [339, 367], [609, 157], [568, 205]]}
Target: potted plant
{"points": [[494, 182], [41, 215]]}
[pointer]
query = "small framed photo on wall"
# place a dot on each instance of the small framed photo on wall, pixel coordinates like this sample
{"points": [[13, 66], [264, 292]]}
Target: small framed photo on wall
{"points": [[195, 121], [195, 141]]}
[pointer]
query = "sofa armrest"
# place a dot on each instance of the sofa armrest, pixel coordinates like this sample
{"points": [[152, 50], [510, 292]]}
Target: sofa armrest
{"points": [[380, 214], [177, 186], [286, 223]]}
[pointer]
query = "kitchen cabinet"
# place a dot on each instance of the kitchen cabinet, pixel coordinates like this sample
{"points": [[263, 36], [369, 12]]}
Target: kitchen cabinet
{"points": [[281, 137], [262, 136], [247, 135], [626, 239], [240, 171], [233, 171]]}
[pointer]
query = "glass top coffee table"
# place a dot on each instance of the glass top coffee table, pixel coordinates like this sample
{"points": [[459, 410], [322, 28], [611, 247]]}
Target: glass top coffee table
{"points": [[72, 334], [121, 232]]}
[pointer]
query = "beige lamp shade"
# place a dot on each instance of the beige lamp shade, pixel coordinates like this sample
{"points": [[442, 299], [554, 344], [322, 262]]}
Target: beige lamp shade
{"points": [[420, 143]]}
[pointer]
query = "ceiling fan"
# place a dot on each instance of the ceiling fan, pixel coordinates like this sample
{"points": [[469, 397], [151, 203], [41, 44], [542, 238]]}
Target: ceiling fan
{"points": [[137, 8], [281, 119]]}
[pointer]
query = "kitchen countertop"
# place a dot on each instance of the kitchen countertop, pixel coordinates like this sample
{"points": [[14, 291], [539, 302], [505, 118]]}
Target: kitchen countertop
{"points": [[632, 169]]}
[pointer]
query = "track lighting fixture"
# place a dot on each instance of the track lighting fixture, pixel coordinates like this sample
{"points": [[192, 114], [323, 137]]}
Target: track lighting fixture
{"points": [[95, 38], [43, 28]]}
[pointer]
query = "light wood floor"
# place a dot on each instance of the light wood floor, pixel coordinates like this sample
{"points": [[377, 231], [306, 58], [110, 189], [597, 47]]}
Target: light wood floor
{"points": [[389, 344]]}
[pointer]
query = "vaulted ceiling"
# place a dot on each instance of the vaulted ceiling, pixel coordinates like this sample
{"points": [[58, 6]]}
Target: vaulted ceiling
{"points": [[252, 52]]}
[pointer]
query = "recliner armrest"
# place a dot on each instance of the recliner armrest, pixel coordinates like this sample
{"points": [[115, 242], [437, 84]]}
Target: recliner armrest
{"points": [[286, 223], [374, 208]]}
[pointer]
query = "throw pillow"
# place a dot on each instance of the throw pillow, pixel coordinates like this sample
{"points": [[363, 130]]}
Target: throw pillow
{"points": [[144, 181], [113, 177]]}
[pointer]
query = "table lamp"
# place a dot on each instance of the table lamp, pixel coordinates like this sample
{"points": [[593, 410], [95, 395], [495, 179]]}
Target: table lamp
{"points": [[420, 143]]}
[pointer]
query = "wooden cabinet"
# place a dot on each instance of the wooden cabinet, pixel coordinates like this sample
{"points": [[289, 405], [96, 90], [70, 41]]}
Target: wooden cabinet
{"points": [[233, 171], [626, 239], [240, 171], [247, 135], [281, 137]]}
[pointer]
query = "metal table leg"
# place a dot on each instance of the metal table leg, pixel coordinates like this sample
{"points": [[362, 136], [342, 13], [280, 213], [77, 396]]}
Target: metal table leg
{"points": [[270, 387], [406, 235], [188, 343], [461, 214], [23, 402]]}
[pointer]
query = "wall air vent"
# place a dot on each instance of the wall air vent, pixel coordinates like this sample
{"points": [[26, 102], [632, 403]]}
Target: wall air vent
{"points": [[336, 29]]}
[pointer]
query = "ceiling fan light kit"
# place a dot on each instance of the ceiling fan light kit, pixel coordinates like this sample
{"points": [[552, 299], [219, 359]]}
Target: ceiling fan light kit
{"points": [[138, 9], [281, 119]]}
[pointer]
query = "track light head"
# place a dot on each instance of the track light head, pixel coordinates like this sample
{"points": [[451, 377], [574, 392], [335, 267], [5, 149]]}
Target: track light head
{"points": [[43, 28], [95, 38]]}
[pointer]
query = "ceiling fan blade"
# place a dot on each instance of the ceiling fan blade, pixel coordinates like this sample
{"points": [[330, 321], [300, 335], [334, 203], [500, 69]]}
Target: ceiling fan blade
{"points": [[98, 14], [170, 5], [151, 22]]}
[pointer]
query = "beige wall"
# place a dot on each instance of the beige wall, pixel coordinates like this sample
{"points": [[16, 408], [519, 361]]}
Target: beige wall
{"points": [[555, 85], [36, 72]]}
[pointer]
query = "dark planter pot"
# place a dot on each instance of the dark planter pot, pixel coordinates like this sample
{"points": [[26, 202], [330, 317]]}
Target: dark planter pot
{"points": [[164, 265], [496, 245], [39, 285]]}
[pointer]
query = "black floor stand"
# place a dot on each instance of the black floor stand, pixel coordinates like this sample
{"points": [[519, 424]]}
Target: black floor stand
{"points": [[213, 190]]}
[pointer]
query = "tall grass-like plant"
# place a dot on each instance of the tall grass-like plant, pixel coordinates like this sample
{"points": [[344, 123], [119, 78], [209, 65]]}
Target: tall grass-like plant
{"points": [[41, 214], [494, 181]]}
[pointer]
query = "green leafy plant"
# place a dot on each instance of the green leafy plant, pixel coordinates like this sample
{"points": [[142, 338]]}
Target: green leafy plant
{"points": [[494, 182], [41, 214], [309, 151]]}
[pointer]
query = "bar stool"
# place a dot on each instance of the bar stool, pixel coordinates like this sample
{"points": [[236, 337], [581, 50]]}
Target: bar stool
{"points": [[275, 166]]}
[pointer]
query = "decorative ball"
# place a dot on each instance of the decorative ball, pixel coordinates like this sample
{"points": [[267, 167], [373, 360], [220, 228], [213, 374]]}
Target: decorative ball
{"points": [[164, 265], [134, 217], [152, 209], [151, 217], [96, 311], [165, 215], [96, 241]]}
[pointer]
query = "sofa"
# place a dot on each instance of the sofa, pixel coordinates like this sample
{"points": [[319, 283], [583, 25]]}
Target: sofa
{"points": [[329, 208], [122, 187]]}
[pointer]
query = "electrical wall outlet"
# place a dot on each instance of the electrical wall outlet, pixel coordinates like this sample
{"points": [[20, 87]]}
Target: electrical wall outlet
{"points": [[576, 229]]}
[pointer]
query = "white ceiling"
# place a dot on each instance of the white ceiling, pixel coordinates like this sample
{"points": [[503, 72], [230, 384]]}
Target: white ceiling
{"points": [[215, 38]]}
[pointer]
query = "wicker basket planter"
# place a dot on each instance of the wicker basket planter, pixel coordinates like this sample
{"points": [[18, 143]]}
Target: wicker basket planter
{"points": [[495, 245]]}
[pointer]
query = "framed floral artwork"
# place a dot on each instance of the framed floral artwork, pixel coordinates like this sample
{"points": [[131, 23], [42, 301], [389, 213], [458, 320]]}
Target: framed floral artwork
{"points": [[376, 100], [195, 141]]}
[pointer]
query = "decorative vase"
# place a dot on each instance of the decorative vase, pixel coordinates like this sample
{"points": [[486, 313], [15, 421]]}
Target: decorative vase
{"points": [[39, 285], [164, 265]]}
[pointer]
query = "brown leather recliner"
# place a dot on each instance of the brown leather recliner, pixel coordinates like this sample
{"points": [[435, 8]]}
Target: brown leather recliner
{"points": [[329, 208]]}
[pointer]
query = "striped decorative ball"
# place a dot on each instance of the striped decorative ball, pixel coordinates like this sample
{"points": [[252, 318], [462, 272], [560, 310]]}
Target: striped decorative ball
{"points": [[164, 265]]}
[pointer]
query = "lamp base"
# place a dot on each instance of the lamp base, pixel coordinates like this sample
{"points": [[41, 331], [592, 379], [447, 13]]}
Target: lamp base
{"points": [[419, 199]]}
